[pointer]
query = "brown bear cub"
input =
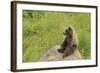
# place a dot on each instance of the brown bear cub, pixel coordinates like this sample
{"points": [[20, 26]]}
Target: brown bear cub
{"points": [[70, 43]]}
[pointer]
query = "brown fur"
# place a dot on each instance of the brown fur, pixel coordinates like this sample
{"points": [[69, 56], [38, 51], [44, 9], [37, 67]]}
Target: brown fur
{"points": [[70, 43]]}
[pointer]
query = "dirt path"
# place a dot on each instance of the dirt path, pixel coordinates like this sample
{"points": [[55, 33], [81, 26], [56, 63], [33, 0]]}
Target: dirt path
{"points": [[53, 55]]}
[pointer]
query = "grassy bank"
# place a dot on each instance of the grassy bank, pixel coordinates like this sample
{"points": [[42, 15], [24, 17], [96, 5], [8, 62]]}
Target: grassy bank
{"points": [[43, 30]]}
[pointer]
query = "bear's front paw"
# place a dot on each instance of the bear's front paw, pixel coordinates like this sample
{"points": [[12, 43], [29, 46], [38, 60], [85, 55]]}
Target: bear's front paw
{"points": [[60, 50]]}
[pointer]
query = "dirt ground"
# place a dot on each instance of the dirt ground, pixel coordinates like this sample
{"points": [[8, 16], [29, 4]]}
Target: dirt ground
{"points": [[53, 55]]}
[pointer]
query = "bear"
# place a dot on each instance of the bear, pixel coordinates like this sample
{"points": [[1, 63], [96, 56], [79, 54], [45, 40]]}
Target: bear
{"points": [[70, 42]]}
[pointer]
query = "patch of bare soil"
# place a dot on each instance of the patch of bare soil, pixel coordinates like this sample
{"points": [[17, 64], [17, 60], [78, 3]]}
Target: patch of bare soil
{"points": [[53, 55]]}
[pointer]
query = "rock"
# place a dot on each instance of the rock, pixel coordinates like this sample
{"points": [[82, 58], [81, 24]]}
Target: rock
{"points": [[53, 55]]}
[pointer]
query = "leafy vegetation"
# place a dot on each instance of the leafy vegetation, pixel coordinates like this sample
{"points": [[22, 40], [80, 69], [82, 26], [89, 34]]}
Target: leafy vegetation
{"points": [[42, 30]]}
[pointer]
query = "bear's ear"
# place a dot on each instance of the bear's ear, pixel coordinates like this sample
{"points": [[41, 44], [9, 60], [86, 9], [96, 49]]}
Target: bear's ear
{"points": [[69, 28]]}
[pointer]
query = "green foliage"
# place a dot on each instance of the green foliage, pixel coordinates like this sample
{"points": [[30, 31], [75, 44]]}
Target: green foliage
{"points": [[42, 30]]}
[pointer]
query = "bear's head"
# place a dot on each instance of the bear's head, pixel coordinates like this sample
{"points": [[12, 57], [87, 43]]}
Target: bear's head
{"points": [[69, 32]]}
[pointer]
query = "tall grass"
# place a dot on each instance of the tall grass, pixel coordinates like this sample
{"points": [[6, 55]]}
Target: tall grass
{"points": [[42, 30]]}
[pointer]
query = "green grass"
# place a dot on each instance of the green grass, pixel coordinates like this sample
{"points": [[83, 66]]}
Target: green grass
{"points": [[42, 30]]}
